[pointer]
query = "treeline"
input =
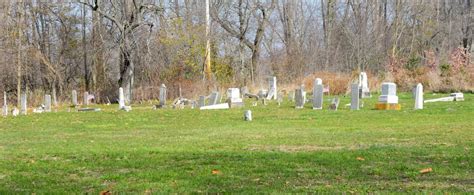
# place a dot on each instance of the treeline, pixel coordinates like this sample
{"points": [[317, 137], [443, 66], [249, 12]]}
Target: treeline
{"points": [[99, 45]]}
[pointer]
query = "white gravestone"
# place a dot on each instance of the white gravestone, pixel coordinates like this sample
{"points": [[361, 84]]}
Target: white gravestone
{"points": [[5, 105], [389, 94], [215, 107], [74, 98], [355, 97], [272, 93], [163, 95], [299, 98], [24, 104], [318, 81], [47, 103], [419, 97], [234, 99], [364, 85], [121, 99], [248, 115], [318, 94]]}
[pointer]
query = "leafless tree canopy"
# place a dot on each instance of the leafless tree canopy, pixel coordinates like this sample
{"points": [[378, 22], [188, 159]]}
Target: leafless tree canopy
{"points": [[99, 45]]}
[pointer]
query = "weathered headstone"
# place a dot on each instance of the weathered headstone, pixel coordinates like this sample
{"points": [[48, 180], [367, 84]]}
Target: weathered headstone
{"points": [[24, 104], [457, 96], [233, 98], [272, 91], [299, 98], [291, 96], [364, 85], [74, 98], [355, 97], [280, 99], [389, 99], [47, 103], [86, 99], [202, 101], [419, 97], [214, 98], [5, 105], [262, 93], [121, 99], [244, 90], [334, 104], [248, 115], [318, 94]]}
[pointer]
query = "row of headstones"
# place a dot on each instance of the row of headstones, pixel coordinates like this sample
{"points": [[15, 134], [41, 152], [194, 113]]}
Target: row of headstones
{"points": [[358, 91], [45, 107]]}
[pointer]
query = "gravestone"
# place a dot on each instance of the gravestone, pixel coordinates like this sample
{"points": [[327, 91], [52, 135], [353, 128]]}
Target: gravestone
{"points": [[334, 103], [280, 99], [47, 103], [364, 85], [248, 115], [299, 98], [214, 98], [5, 105], [291, 96], [163, 95], [121, 99], [272, 91], [233, 98], [215, 107], [74, 98], [24, 103], [318, 94], [86, 99], [389, 93], [318, 81], [202, 101], [355, 97], [262, 93], [419, 97], [389, 99]]}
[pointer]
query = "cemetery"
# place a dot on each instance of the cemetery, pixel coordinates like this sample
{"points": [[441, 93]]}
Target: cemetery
{"points": [[236, 97], [382, 140]]}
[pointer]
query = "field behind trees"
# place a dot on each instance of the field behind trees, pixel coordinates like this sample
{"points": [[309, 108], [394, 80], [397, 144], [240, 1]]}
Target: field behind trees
{"points": [[100, 45]]}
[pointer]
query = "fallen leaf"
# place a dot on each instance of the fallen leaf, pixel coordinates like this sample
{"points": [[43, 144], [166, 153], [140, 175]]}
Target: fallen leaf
{"points": [[215, 172], [105, 192], [427, 170], [360, 158]]}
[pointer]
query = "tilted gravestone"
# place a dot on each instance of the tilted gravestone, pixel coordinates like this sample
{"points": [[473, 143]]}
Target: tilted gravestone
{"points": [[272, 91], [24, 103], [355, 97], [419, 97], [74, 98], [47, 103], [214, 98], [318, 95], [299, 98], [163, 95]]}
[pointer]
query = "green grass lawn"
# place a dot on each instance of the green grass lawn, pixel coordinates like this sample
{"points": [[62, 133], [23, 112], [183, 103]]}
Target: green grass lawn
{"points": [[281, 150]]}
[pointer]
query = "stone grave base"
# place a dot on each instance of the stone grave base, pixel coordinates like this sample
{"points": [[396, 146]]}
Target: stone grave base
{"points": [[385, 106]]}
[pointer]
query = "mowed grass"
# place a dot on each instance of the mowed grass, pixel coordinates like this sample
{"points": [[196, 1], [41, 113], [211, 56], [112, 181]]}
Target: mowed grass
{"points": [[281, 150]]}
